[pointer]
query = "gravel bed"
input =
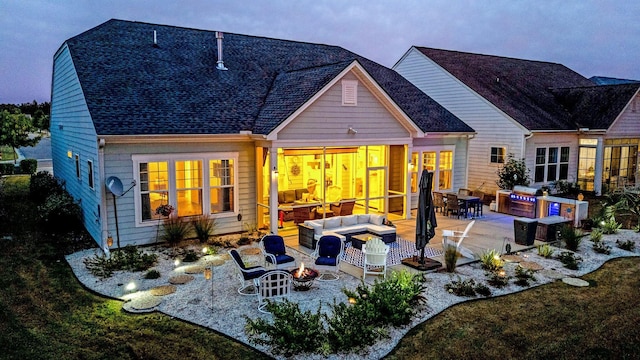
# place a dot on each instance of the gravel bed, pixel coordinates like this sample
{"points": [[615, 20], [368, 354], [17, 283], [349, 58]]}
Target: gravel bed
{"points": [[216, 304]]}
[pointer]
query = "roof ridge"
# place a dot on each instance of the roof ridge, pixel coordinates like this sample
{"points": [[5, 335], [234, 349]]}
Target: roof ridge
{"points": [[489, 55]]}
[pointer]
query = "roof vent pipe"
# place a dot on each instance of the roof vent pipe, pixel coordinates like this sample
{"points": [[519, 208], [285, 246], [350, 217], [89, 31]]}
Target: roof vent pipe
{"points": [[155, 39], [219, 37]]}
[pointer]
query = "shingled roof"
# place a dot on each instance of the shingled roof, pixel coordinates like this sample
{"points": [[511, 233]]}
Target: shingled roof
{"points": [[133, 87], [596, 107], [520, 88]]}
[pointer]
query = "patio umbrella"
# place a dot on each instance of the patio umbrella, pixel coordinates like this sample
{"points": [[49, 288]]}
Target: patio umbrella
{"points": [[426, 217]]}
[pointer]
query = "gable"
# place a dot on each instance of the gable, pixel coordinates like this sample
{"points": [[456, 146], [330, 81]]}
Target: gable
{"points": [[327, 118]]}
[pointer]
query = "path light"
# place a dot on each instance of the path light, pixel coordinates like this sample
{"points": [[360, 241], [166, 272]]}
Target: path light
{"points": [[208, 275], [502, 273], [204, 251], [176, 263], [109, 240], [131, 286], [352, 300]]}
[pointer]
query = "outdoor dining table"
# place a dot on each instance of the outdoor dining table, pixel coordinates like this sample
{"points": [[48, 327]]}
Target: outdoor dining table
{"points": [[468, 202]]}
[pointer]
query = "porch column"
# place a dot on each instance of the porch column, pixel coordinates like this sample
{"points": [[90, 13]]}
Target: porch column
{"points": [[273, 193], [407, 207], [597, 174]]}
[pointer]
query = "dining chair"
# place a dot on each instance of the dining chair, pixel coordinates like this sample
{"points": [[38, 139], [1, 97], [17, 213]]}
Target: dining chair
{"points": [[438, 202], [453, 205], [464, 192], [478, 210], [303, 213]]}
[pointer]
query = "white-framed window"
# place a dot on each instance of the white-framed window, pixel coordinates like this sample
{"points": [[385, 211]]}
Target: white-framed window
{"points": [[77, 160], [90, 173], [193, 184], [552, 164], [349, 92], [498, 154]]}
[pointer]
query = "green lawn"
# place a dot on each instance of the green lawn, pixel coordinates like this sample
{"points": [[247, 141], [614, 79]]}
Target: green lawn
{"points": [[46, 314]]}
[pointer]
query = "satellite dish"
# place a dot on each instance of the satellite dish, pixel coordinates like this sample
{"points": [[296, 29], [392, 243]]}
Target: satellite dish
{"points": [[115, 186]]}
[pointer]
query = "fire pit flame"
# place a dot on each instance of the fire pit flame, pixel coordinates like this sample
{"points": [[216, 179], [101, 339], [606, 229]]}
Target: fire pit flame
{"points": [[300, 271]]}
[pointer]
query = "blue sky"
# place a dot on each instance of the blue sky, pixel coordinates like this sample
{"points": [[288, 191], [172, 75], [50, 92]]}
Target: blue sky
{"points": [[591, 37]]}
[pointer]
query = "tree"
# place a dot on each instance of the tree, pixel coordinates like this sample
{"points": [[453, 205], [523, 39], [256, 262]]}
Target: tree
{"points": [[514, 172], [16, 129]]}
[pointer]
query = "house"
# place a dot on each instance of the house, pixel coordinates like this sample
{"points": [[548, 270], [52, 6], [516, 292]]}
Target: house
{"points": [[565, 126], [235, 127]]}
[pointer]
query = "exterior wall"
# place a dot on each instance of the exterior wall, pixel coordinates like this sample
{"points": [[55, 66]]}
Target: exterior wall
{"points": [[459, 144], [327, 118], [552, 140], [493, 127], [72, 131], [628, 124], [118, 162]]}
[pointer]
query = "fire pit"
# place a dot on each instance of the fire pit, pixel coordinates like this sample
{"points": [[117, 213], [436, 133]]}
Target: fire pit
{"points": [[302, 278]]}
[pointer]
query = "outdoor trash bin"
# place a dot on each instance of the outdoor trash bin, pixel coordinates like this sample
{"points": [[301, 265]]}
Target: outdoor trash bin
{"points": [[525, 230]]}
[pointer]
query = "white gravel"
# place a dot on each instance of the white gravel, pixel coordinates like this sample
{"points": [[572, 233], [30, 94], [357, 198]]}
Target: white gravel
{"points": [[217, 305]]}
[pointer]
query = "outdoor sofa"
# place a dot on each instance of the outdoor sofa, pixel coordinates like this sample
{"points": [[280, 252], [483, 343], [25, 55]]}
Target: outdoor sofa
{"points": [[345, 227]]}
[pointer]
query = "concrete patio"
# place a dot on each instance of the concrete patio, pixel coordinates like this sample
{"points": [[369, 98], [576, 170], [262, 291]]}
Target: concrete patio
{"points": [[493, 230]]}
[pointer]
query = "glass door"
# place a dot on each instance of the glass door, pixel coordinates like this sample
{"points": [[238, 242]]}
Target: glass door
{"points": [[376, 189]]}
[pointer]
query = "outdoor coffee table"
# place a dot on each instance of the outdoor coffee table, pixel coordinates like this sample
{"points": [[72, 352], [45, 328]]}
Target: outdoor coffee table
{"points": [[358, 240]]}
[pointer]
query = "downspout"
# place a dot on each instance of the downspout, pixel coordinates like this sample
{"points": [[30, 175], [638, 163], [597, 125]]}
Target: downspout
{"points": [[104, 228], [523, 149]]}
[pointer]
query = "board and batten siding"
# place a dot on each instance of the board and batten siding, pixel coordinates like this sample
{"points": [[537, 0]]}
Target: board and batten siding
{"points": [[327, 119], [493, 127], [72, 131], [118, 162]]}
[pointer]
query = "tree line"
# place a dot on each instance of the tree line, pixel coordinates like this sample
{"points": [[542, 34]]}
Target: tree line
{"points": [[20, 123]]}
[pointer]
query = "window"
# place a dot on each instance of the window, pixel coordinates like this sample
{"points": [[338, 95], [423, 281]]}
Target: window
{"points": [[552, 164], [221, 185], [498, 155], [90, 173], [194, 184], [78, 166], [446, 170], [349, 92], [414, 172]]}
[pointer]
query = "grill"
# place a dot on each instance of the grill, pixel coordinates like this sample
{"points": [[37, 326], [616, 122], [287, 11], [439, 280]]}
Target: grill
{"points": [[523, 201]]}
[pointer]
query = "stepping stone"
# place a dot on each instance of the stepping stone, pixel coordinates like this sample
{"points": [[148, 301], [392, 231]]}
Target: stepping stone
{"points": [[575, 282], [552, 274], [163, 290], [215, 262], [180, 279], [143, 303], [530, 265], [512, 258], [194, 270]]}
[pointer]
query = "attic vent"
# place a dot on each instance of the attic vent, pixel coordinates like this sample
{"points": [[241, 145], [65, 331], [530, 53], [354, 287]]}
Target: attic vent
{"points": [[349, 92]]}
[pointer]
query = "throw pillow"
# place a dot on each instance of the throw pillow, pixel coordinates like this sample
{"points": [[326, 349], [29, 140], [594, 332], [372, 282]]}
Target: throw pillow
{"points": [[332, 223], [363, 218], [349, 220], [376, 219]]}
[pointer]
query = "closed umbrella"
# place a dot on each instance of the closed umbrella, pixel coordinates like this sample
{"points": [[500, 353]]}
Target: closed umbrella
{"points": [[426, 217]]}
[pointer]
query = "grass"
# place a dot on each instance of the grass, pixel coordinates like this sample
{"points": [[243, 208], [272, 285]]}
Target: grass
{"points": [[550, 321], [7, 153], [46, 314]]}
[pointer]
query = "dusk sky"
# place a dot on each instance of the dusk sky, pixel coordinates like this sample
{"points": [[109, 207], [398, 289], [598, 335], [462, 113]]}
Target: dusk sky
{"points": [[591, 37]]}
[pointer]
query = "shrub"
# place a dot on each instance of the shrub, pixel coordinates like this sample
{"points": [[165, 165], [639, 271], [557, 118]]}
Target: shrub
{"points": [[498, 279], [7, 169], [571, 237], [450, 258], [610, 226], [601, 247], [127, 258], [42, 185], [60, 214], [28, 166], [566, 187], [191, 256], [569, 260], [482, 289], [628, 245], [514, 172], [596, 235], [523, 276], [174, 230], [462, 288], [545, 250], [203, 227], [291, 332], [152, 274], [490, 260], [353, 326]]}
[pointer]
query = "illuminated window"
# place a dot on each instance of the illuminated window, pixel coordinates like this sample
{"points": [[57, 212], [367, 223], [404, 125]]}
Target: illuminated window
{"points": [[498, 155], [221, 185], [154, 188], [189, 187], [446, 170], [552, 164]]}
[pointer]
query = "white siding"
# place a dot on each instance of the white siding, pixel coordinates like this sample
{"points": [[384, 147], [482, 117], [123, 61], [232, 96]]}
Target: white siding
{"points": [[628, 124], [72, 130], [118, 162], [494, 128], [327, 118]]}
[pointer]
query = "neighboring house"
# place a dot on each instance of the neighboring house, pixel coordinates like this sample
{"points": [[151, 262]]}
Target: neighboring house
{"points": [[564, 126], [603, 80], [220, 125]]}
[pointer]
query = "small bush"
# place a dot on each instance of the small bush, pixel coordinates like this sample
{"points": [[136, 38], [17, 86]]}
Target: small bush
{"points": [[42, 185], [7, 169], [461, 288], [610, 226], [523, 276], [545, 250], [571, 237], [191, 256], [628, 245], [152, 274], [601, 247], [60, 214], [596, 235], [128, 258], [490, 260], [174, 230], [498, 279], [569, 260], [203, 227], [450, 258], [482, 289], [28, 166]]}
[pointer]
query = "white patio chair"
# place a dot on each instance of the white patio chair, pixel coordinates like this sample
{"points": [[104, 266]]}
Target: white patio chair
{"points": [[455, 238], [273, 285], [375, 253]]}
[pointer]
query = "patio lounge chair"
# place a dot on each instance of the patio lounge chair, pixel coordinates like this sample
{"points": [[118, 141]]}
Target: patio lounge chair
{"points": [[275, 252], [455, 238], [273, 285], [375, 258], [246, 274], [327, 257]]}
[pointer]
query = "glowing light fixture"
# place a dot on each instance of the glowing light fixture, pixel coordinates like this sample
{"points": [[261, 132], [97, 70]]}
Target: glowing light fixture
{"points": [[131, 286]]}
